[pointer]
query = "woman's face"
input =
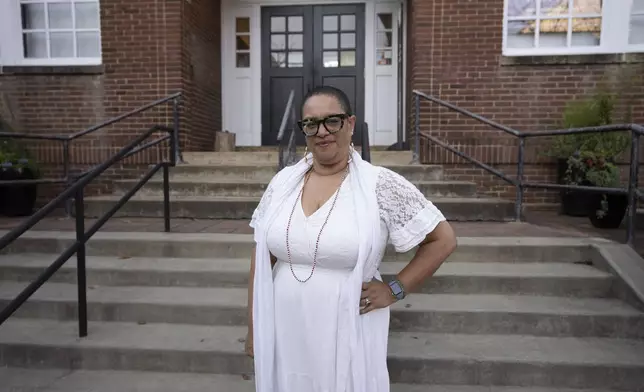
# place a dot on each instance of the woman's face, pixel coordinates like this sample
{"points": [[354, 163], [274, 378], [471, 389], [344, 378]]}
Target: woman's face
{"points": [[331, 145]]}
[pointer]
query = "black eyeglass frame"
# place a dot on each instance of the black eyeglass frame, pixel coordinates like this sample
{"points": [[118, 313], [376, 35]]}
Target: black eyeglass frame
{"points": [[317, 122]]}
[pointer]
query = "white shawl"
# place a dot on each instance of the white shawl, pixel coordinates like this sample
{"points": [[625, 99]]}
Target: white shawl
{"points": [[351, 348]]}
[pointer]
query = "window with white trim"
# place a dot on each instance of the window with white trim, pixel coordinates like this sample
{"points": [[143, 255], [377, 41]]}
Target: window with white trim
{"points": [[561, 27], [636, 28], [52, 32]]}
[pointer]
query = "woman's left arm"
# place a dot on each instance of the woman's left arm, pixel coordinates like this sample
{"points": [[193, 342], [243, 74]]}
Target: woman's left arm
{"points": [[431, 253], [412, 220]]}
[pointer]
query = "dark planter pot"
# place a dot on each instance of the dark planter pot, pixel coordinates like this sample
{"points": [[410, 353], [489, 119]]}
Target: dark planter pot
{"points": [[17, 200], [573, 203], [612, 218]]}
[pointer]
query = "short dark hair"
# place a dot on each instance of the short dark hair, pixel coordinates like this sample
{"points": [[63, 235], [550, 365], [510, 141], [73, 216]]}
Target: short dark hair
{"points": [[331, 92]]}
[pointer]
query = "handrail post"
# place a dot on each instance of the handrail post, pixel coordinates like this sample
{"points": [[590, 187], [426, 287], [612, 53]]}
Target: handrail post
{"points": [[166, 197], [518, 205], [632, 187], [81, 263], [416, 155], [176, 148], [66, 175]]}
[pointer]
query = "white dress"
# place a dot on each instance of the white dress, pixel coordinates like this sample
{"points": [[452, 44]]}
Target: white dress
{"points": [[306, 314]]}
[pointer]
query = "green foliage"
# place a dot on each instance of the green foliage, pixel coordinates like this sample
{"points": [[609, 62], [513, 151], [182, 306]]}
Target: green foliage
{"points": [[14, 152], [591, 112]]}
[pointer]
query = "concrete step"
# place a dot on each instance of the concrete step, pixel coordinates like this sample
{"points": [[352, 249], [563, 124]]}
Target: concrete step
{"points": [[63, 380], [271, 157], [266, 172], [547, 279], [436, 313], [214, 187], [414, 357], [205, 207], [211, 245]]}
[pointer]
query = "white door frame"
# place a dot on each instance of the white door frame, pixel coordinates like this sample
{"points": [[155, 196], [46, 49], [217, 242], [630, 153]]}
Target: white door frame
{"points": [[241, 87]]}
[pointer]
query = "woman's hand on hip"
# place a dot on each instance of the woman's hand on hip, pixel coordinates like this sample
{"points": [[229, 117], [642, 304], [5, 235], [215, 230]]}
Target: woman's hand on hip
{"points": [[375, 295]]}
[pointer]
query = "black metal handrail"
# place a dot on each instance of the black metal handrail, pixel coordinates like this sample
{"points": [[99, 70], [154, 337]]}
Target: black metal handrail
{"points": [[364, 141], [77, 191], [287, 154], [633, 193]]}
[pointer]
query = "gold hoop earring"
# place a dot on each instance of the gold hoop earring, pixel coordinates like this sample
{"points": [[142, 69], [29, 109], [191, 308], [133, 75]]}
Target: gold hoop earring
{"points": [[351, 151], [306, 153]]}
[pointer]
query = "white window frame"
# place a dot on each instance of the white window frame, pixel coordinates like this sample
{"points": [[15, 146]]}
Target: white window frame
{"points": [[614, 37], [11, 38]]}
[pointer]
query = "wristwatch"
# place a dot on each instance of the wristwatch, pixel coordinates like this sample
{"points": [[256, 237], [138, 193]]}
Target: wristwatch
{"points": [[397, 289]]}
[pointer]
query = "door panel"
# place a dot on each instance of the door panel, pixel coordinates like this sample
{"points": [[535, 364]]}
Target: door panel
{"points": [[307, 46], [287, 60], [338, 39]]}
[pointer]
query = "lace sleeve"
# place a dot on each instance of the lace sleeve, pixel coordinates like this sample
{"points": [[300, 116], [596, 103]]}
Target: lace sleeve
{"points": [[408, 214], [263, 205]]}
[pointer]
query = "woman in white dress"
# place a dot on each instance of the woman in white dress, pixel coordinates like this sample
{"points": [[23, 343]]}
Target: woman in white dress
{"points": [[318, 308]]}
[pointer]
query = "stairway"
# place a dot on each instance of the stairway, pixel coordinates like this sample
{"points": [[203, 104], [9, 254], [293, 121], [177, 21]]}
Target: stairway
{"points": [[167, 313], [228, 185]]}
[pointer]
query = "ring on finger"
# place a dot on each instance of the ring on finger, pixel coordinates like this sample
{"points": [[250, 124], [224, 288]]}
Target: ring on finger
{"points": [[367, 301]]}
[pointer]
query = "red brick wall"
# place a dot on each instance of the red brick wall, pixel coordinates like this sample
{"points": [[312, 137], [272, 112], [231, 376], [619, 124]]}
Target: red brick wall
{"points": [[455, 54], [201, 67], [151, 49]]}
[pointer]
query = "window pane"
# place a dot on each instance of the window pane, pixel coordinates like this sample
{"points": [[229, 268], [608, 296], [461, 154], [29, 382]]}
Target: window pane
{"points": [[35, 45], [638, 6], [586, 7], [88, 44], [553, 33], [348, 40], [60, 15], [278, 60], [348, 22], [330, 23], [243, 42], [278, 41], [636, 30], [87, 15], [384, 40], [295, 24], [348, 59], [33, 16], [295, 59], [295, 41], [384, 22], [242, 25], [330, 59], [586, 31], [520, 34], [330, 41], [278, 24], [554, 7], [384, 57], [243, 60], [62, 44]]}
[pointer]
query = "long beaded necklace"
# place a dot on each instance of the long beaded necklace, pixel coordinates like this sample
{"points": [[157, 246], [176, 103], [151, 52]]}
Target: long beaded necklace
{"points": [[317, 242]]}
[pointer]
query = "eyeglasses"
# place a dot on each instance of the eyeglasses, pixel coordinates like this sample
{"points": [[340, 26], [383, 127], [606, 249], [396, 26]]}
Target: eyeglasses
{"points": [[332, 124]]}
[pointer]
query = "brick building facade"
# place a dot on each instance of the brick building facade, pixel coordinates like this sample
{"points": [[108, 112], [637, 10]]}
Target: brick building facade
{"points": [[216, 53]]}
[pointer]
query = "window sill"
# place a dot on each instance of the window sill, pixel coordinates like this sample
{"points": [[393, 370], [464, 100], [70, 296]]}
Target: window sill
{"points": [[576, 59], [52, 70]]}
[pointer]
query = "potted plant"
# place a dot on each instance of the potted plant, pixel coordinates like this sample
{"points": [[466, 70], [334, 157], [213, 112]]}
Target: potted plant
{"points": [[575, 152], [16, 164]]}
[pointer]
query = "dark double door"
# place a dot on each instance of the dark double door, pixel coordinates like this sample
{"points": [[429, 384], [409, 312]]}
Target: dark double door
{"points": [[308, 46]]}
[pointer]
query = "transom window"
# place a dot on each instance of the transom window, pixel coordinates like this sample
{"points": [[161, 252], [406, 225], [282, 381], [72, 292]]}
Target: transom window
{"points": [[51, 32], [543, 27]]}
